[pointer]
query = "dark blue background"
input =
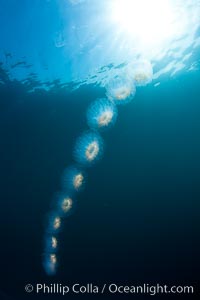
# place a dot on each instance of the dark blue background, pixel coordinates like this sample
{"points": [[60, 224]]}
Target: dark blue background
{"points": [[136, 222]]}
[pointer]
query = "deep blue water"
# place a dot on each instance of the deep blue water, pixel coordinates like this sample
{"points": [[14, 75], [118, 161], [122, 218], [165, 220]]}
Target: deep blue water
{"points": [[137, 221]]}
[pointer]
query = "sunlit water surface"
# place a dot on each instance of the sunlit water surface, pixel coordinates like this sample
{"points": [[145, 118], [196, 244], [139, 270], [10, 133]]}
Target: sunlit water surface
{"points": [[88, 41]]}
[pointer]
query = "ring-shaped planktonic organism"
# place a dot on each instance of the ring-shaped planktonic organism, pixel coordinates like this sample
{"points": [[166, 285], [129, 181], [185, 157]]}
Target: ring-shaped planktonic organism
{"points": [[88, 149]]}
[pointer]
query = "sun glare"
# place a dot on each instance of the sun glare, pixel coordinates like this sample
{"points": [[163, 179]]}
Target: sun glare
{"points": [[149, 22]]}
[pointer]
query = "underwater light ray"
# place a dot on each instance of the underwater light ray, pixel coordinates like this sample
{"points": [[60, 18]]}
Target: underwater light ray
{"points": [[149, 24], [85, 37]]}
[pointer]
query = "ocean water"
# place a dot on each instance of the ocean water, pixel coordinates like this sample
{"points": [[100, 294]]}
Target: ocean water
{"points": [[137, 219]]}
